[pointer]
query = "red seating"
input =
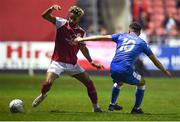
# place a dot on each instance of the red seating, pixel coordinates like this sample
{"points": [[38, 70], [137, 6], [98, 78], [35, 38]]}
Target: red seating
{"points": [[170, 3], [159, 9], [160, 31], [171, 10]]}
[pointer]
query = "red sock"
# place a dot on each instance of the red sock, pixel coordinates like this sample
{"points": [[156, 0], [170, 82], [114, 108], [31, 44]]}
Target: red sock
{"points": [[46, 87], [92, 92]]}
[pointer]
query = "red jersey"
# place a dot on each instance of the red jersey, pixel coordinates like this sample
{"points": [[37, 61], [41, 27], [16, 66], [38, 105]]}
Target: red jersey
{"points": [[64, 50]]}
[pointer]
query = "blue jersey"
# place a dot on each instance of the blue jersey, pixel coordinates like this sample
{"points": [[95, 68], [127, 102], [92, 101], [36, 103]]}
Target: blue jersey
{"points": [[129, 47]]}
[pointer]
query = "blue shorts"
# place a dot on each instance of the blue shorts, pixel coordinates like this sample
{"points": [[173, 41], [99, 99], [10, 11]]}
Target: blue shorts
{"points": [[130, 77]]}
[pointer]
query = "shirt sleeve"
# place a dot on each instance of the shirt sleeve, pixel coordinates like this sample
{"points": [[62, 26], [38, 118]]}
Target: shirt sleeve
{"points": [[116, 36], [60, 22], [147, 49]]}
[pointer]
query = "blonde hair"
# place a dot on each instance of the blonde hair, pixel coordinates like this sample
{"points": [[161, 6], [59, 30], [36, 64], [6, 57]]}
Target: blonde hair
{"points": [[76, 10]]}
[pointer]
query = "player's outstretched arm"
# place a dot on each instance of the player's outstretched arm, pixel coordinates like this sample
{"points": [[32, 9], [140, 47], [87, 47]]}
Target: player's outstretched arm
{"points": [[47, 13], [86, 54], [158, 64], [94, 38]]}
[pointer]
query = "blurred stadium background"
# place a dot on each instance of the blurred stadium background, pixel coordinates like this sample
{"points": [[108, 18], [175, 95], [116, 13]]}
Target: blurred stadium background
{"points": [[26, 40], [26, 46]]}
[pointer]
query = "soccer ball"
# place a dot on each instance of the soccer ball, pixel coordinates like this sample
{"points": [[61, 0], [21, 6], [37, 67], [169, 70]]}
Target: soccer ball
{"points": [[16, 106]]}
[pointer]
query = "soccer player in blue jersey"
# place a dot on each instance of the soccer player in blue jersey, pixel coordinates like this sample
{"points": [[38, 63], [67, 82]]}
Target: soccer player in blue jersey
{"points": [[129, 47]]}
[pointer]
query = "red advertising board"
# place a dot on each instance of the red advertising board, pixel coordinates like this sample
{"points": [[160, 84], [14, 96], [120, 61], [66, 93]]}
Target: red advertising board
{"points": [[25, 55]]}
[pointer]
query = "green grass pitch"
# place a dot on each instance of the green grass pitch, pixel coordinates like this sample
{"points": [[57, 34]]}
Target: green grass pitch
{"points": [[68, 99]]}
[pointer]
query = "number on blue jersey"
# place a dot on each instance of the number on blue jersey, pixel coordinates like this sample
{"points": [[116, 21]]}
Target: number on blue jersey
{"points": [[127, 45]]}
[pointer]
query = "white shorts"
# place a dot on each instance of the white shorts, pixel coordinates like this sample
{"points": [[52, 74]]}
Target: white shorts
{"points": [[60, 67]]}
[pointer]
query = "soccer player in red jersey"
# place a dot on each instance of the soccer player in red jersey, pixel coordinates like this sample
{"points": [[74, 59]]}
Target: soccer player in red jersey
{"points": [[64, 58]]}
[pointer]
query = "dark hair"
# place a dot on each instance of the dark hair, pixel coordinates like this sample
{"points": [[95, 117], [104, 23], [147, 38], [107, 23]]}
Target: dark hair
{"points": [[135, 26]]}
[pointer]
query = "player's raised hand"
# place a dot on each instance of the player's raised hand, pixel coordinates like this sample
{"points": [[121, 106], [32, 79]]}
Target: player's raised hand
{"points": [[98, 66], [55, 7]]}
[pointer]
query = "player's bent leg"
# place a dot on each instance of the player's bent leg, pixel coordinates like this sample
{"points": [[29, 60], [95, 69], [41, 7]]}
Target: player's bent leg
{"points": [[139, 97], [50, 77], [115, 93], [84, 78]]}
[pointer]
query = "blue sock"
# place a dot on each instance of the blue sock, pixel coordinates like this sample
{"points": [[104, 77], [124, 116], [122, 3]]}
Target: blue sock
{"points": [[115, 93], [139, 97]]}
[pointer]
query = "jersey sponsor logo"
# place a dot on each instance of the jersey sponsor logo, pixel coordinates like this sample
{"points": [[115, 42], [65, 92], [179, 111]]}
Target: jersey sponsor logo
{"points": [[71, 38]]}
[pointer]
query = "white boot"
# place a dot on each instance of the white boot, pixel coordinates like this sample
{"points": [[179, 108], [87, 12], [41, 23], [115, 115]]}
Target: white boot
{"points": [[38, 100]]}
